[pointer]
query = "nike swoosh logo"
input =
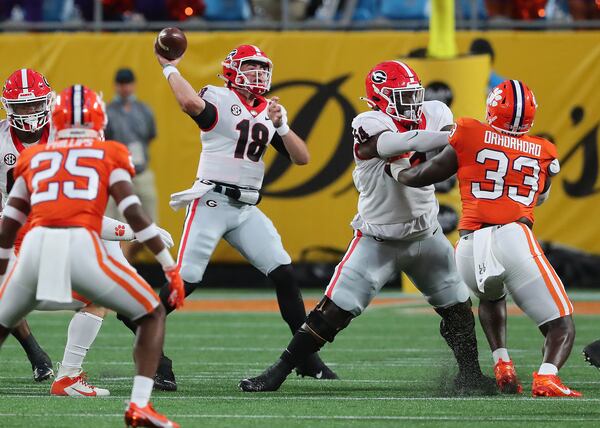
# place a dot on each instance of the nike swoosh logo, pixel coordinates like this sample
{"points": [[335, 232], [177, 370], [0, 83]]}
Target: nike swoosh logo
{"points": [[412, 136], [566, 391], [319, 375], [80, 392]]}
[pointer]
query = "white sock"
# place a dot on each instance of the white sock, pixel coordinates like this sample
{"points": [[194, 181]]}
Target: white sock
{"points": [[82, 332], [548, 369], [142, 388], [500, 354]]}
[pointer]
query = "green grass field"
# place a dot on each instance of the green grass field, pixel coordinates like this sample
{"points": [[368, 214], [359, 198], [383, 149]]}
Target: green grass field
{"points": [[392, 362]]}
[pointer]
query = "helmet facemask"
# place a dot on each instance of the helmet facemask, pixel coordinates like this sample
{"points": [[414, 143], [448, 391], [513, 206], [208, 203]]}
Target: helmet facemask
{"points": [[257, 81], [404, 104], [29, 114]]}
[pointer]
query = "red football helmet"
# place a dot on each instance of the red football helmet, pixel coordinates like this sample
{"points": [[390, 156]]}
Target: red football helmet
{"points": [[511, 107], [258, 80], [79, 112], [395, 89], [27, 99]]}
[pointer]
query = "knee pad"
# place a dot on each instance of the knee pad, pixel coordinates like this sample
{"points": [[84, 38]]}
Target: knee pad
{"points": [[327, 320]]}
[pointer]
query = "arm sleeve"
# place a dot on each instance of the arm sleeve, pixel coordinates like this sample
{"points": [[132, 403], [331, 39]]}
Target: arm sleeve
{"points": [[391, 144], [208, 118], [277, 143]]}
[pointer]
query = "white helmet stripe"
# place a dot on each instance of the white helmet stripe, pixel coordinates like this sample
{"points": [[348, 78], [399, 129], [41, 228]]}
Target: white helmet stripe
{"points": [[77, 103], [24, 80], [519, 110], [407, 69]]}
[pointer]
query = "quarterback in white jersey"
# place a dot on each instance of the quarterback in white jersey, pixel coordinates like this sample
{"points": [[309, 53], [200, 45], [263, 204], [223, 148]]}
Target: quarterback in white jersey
{"points": [[396, 230], [237, 125], [27, 99]]}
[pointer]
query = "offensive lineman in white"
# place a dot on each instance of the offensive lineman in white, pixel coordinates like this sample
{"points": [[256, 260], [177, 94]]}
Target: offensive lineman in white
{"points": [[396, 230], [238, 124], [28, 98]]}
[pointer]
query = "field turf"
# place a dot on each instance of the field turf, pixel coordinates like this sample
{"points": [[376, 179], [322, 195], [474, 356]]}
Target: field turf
{"points": [[394, 366]]}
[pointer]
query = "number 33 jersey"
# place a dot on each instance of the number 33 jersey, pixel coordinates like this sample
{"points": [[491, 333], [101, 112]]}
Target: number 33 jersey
{"points": [[233, 147], [67, 181], [500, 175]]}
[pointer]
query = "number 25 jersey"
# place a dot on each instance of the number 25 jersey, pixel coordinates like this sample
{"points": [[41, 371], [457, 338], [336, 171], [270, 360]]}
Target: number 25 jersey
{"points": [[500, 175], [233, 147], [68, 180]]}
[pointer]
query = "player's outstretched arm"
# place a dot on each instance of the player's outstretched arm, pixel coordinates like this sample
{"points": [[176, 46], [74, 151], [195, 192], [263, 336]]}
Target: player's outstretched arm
{"points": [[389, 144], [186, 95], [440, 168], [146, 232], [295, 146]]}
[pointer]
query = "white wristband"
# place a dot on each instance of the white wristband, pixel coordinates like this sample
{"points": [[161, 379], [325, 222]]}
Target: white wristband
{"points": [[6, 253], [283, 129], [14, 214], [127, 202], [165, 259], [168, 70], [147, 233]]}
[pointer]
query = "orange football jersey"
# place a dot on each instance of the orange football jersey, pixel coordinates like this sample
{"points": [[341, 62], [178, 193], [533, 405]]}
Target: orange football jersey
{"points": [[500, 175], [68, 180]]}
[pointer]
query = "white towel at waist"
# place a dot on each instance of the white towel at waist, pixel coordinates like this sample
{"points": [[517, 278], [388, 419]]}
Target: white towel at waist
{"points": [[184, 198], [488, 269], [54, 276]]}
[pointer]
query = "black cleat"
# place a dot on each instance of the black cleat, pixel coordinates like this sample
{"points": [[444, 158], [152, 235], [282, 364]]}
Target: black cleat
{"points": [[474, 384], [164, 379], [592, 353], [41, 366], [269, 380], [315, 367]]}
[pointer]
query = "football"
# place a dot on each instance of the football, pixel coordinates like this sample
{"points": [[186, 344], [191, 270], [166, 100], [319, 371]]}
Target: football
{"points": [[170, 43]]}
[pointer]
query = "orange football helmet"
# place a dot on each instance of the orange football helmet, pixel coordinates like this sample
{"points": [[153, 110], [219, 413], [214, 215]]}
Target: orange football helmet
{"points": [[27, 99], [511, 107], [257, 81], [79, 112], [395, 89]]}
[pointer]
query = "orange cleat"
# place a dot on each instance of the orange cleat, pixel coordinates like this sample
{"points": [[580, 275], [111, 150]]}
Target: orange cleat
{"points": [[550, 386], [146, 417], [506, 377], [76, 386]]}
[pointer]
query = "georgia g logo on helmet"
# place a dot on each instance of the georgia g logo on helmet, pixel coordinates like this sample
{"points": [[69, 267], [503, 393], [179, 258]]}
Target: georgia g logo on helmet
{"points": [[379, 76]]}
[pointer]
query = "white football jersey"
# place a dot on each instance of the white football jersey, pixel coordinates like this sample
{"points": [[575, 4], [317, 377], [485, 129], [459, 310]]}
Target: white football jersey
{"points": [[10, 147], [233, 149], [388, 209]]}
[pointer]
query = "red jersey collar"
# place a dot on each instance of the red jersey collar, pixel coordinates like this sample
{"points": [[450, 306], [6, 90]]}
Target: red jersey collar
{"points": [[20, 146], [253, 110]]}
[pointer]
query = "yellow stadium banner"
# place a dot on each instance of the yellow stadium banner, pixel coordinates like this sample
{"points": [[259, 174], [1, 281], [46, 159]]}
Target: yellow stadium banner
{"points": [[319, 78]]}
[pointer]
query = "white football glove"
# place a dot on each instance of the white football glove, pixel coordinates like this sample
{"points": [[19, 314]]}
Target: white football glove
{"points": [[166, 237]]}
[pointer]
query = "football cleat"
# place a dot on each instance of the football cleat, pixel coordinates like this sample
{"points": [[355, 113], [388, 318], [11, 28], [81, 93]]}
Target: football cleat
{"points": [[164, 379], [592, 353], [269, 380], [136, 416], [550, 386], [76, 386], [42, 367], [474, 384], [506, 378], [315, 367]]}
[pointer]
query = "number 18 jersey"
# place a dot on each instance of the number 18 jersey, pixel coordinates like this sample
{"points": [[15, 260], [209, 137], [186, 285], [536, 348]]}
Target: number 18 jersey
{"points": [[233, 147], [500, 175]]}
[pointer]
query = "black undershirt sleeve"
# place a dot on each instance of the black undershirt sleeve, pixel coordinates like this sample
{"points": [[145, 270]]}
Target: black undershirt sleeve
{"points": [[208, 118], [277, 143]]}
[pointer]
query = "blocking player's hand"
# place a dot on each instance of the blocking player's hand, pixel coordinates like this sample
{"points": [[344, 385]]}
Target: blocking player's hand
{"points": [[176, 289], [276, 113], [165, 237]]}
